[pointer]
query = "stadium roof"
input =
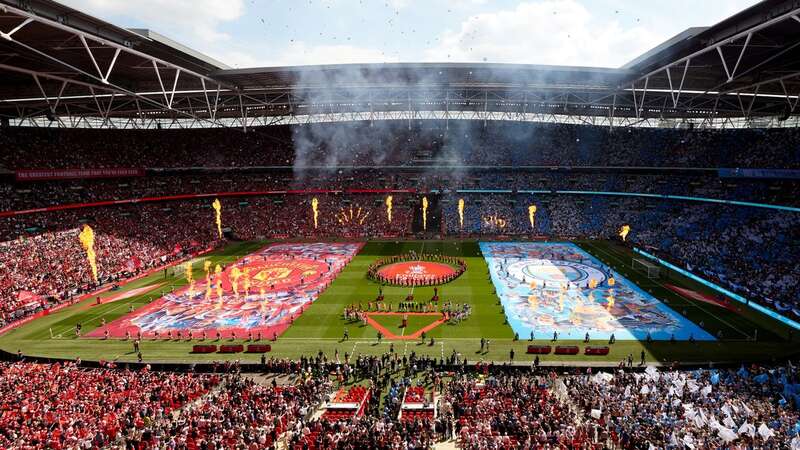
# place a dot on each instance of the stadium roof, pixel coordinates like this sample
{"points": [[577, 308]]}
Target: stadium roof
{"points": [[62, 67]]}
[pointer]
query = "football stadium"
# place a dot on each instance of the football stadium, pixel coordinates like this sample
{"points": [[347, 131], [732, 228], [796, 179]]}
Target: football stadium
{"points": [[397, 255]]}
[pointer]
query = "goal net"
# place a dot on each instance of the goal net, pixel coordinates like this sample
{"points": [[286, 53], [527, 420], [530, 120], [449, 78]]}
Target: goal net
{"points": [[179, 270], [652, 270]]}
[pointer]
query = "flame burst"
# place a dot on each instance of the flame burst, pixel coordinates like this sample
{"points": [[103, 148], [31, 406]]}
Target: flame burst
{"points": [[354, 216], [189, 278], [389, 208], [87, 241], [532, 216], [218, 216], [235, 275], [314, 210], [424, 213], [207, 268], [218, 280], [461, 212], [623, 232], [246, 282], [495, 221]]}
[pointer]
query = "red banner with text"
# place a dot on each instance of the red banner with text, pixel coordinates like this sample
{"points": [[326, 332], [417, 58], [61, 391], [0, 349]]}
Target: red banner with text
{"points": [[72, 174]]}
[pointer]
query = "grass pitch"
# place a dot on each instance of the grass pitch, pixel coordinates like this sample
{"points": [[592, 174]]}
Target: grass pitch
{"points": [[321, 327]]}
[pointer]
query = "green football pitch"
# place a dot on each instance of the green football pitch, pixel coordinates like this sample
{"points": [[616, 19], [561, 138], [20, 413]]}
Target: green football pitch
{"points": [[747, 335]]}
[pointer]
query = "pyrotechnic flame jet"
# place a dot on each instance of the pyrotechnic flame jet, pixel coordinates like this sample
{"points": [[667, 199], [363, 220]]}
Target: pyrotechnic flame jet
{"points": [[189, 278], [235, 275], [218, 215], [87, 241], [314, 205], [532, 215], [424, 213], [623, 232], [389, 208], [218, 281], [461, 212], [246, 276]]}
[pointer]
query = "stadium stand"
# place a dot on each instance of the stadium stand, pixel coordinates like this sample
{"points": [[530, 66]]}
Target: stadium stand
{"points": [[703, 181]]}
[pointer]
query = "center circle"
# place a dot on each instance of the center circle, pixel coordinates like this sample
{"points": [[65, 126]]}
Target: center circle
{"points": [[561, 272], [416, 271], [413, 270]]}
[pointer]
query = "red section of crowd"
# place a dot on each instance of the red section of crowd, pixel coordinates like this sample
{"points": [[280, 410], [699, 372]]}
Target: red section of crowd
{"points": [[512, 412], [61, 406]]}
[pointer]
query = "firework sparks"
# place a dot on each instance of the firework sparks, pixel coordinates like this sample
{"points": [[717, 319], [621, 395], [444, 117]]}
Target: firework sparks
{"points": [[352, 216], [495, 221]]}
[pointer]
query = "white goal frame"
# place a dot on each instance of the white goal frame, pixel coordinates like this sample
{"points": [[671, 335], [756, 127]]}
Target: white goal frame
{"points": [[653, 270]]}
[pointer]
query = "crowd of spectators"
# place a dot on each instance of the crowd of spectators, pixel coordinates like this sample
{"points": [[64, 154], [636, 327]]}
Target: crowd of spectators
{"points": [[241, 413], [512, 411], [396, 143], [42, 262], [62, 406], [19, 196], [747, 408]]}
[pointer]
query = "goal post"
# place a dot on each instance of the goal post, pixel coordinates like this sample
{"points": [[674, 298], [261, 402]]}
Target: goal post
{"points": [[179, 270], [652, 270]]}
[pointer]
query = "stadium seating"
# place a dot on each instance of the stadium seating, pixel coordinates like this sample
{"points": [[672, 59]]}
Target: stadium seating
{"points": [[65, 406], [467, 142]]}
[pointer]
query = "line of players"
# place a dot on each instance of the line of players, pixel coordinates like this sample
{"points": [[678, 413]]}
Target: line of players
{"points": [[452, 312]]}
